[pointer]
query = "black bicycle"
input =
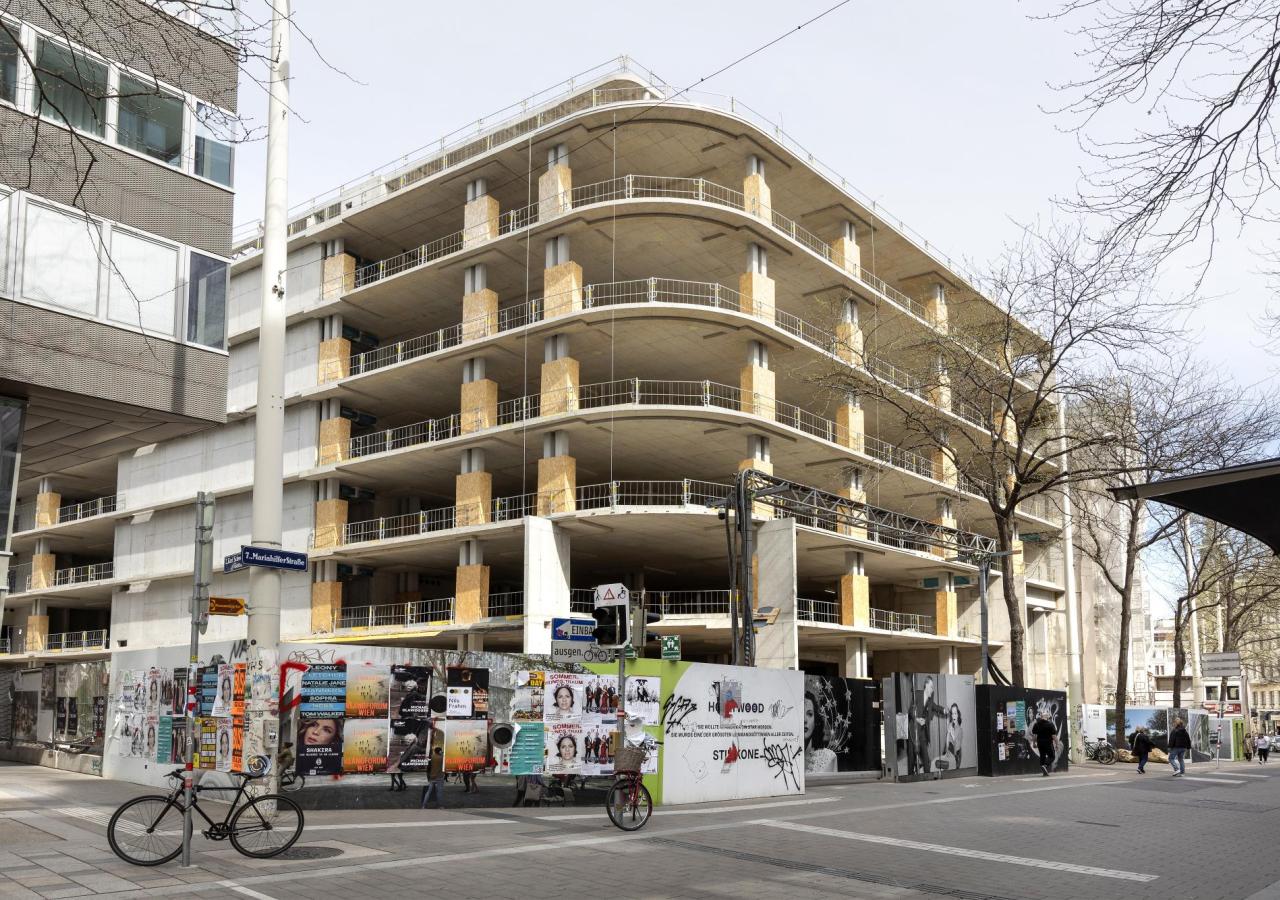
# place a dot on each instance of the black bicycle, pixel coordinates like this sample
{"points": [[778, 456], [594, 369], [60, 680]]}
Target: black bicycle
{"points": [[147, 831]]}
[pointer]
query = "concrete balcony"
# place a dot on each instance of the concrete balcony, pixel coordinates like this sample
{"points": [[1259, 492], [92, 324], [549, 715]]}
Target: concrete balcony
{"points": [[63, 643]]}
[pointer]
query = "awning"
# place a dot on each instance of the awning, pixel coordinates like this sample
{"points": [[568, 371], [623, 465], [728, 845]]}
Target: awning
{"points": [[1246, 498]]}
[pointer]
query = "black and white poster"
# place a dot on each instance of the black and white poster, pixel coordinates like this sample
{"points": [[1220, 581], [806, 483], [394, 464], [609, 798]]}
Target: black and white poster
{"points": [[472, 684], [841, 725], [410, 719], [930, 725], [644, 694]]}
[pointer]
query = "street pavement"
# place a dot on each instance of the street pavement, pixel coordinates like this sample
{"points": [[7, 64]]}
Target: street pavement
{"points": [[1095, 832]]}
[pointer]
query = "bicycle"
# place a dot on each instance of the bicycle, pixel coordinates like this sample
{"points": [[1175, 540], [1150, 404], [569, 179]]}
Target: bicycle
{"points": [[628, 802], [291, 781], [1100, 751], [263, 827]]}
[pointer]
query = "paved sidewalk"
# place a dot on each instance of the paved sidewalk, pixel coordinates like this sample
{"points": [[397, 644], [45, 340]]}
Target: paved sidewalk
{"points": [[1099, 831]]}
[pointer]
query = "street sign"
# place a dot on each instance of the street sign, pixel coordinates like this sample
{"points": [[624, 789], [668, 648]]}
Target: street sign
{"points": [[573, 630], [226, 606], [232, 563], [1220, 665], [671, 647], [273, 558], [581, 652], [612, 595]]}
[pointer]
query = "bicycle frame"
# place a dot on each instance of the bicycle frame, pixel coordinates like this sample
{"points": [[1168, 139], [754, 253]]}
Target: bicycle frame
{"points": [[175, 802]]}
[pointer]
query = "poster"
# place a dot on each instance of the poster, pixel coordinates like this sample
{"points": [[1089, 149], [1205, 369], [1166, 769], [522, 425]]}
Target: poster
{"points": [[1003, 721], [61, 724], [563, 697], [466, 744], [458, 702], [597, 749], [731, 732], [527, 754], [208, 689], [600, 699], [152, 735], [367, 690], [238, 674], [841, 725], [26, 706], [410, 737], [179, 740], [237, 743], [222, 699], [179, 682], [644, 695], [164, 740], [564, 748], [364, 745], [477, 679], [153, 693], [222, 752], [527, 701], [930, 724], [321, 711], [207, 746]]}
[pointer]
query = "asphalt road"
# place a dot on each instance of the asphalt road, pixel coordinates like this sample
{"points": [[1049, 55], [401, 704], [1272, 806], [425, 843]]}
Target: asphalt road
{"points": [[1096, 832]]}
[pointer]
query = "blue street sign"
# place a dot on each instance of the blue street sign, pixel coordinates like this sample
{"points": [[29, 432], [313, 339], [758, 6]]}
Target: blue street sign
{"points": [[573, 630], [233, 563], [273, 558]]}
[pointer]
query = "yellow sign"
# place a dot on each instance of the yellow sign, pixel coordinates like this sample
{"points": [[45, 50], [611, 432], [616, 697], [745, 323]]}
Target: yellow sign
{"points": [[226, 606]]}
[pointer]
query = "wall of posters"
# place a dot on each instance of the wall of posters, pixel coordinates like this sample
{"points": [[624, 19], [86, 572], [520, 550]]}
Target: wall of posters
{"points": [[841, 725], [1005, 718], [930, 725], [320, 718]]}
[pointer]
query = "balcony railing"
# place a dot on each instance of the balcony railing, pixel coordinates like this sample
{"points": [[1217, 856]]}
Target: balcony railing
{"points": [[818, 610], [888, 620], [669, 603], [417, 612], [510, 603], [77, 640], [21, 581], [88, 509]]}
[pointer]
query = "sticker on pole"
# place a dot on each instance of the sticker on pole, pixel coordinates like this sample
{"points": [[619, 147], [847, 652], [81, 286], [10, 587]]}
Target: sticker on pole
{"points": [[612, 595]]}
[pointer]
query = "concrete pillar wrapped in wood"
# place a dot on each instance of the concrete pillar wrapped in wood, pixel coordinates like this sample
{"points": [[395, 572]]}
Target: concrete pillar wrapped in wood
{"points": [[334, 360], [560, 383], [758, 390], [43, 568], [479, 315], [47, 509], [479, 405], [555, 192], [855, 600], [561, 290], [338, 275], [757, 293], [326, 605], [471, 594], [335, 441], [944, 615], [37, 637], [479, 220], [473, 498], [851, 425], [331, 521], [557, 484]]}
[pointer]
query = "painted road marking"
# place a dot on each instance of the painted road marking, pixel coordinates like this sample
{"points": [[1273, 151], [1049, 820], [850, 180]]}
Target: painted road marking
{"points": [[1212, 780], [1242, 774], [667, 811], [241, 889], [1060, 777], [453, 822], [959, 851]]}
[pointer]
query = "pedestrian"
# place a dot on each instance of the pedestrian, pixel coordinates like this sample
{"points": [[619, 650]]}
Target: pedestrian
{"points": [[435, 779], [1142, 747], [1263, 747], [1179, 744], [1247, 746], [469, 782], [1045, 732]]}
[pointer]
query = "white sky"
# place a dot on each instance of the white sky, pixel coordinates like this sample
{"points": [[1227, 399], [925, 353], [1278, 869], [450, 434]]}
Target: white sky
{"points": [[935, 109]]}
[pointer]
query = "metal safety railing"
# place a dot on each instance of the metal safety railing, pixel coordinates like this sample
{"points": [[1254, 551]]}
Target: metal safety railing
{"points": [[826, 611], [710, 602], [888, 620], [510, 603], [84, 574], [77, 640], [439, 611], [88, 509]]}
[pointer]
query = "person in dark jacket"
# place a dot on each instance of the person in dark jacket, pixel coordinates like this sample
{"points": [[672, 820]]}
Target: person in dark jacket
{"points": [[1045, 732], [1142, 746], [1179, 744]]}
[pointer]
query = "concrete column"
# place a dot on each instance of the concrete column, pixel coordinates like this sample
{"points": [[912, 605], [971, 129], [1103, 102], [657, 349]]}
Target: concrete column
{"points": [[855, 592], [935, 305], [43, 566], [471, 584], [948, 664], [1006, 425], [331, 516], [473, 502], [854, 489], [479, 304], [1019, 559], [938, 388], [47, 503], [855, 658], [333, 356], [479, 402], [849, 335], [557, 475], [755, 191], [555, 186], [757, 381], [37, 637], [546, 581], [845, 252], [758, 454], [561, 280], [755, 286], [335, 434], [944, 602], [408, 588], [944, 515], [326, 605], [851, 423], [473, 642], [778, 645], [338, 275], [480, 215], [560, 377], [944, 462]]}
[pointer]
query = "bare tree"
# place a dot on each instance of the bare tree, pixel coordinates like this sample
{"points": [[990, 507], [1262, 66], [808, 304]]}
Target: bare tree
{"points": [[1171, 418], [1055, 315]]}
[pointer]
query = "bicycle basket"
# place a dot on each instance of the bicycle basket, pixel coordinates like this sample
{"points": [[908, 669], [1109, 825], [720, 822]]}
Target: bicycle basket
{"points": [[629, 759]]}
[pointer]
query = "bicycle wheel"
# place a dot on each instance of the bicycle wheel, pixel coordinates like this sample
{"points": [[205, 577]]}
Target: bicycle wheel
{"points": [[1106, 755], [629, 808], [146, 831], [266, 826], [291, 782]]}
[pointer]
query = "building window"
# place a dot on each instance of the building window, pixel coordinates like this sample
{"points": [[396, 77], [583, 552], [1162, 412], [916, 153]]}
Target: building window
{"points": [[150, 120], [143, 279], [1211, 692], [214, 158], [73, 88], [207, 301], [60, 259], [1233, 692], [8, 61]]}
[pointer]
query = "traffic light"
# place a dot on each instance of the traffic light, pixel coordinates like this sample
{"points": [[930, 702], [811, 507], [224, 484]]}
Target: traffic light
{"points": [[611, 625], [639, 627]]}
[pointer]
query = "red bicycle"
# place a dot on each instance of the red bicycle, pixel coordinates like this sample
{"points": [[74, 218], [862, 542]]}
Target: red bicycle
{"points": [[628, 801]]}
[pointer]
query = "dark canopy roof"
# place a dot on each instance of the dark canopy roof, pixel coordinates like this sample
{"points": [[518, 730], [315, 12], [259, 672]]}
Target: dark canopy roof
{"points": [[1246, 498]]}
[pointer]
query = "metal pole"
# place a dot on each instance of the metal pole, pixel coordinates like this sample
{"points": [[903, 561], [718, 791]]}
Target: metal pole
{"points": [[268, 459], [622, 684], [202, 573], [748, 534], [984, 566], [1075, 668]]}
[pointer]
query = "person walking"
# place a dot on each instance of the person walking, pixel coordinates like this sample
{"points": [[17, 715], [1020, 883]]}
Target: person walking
{"points": [[1142, 747], [435, 779], [1045, 733], [1179, 744], [1263, 746]]}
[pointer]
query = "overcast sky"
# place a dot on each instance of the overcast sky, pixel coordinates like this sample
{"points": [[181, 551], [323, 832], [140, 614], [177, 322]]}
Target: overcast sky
{"points": [[934, 109]]}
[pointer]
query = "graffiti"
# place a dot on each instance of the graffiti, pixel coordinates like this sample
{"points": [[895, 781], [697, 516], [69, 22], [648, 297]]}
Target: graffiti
{"points": [[240, 649], [778, 709], [314, 656], [676, 710], [781, 760]]}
